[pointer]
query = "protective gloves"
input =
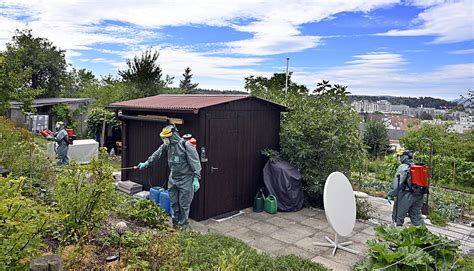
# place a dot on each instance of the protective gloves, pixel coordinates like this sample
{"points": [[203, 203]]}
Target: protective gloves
{"points": [[143, 165], [196, 184]]}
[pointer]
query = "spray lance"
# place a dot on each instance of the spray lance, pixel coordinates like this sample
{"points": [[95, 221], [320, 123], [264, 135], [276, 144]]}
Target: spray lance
{"points": [[127, 168]]}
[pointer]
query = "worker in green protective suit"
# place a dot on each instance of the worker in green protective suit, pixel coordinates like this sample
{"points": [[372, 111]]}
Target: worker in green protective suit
{"points": [[185, 167], [408, 200], [61, 137]]}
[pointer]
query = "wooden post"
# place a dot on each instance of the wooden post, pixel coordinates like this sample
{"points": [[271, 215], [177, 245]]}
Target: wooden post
{"points": [[47, 263], [102, 136]]}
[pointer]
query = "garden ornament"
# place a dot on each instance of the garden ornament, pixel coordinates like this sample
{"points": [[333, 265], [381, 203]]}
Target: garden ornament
{"points": [[185, 172]]}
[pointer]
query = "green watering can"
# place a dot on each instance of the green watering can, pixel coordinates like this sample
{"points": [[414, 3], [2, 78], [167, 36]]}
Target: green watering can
{"points": [[258, 202], [271, 204]]}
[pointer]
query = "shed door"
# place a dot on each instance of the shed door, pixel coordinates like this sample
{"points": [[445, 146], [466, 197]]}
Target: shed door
{"points": [[222, 178]]}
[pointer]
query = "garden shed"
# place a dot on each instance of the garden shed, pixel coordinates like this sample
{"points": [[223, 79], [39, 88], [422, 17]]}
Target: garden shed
{"points": [[233, 130]]}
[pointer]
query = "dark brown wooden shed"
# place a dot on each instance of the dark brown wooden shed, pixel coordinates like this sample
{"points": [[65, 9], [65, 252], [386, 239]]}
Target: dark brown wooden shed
{"points": [[233, 129]]}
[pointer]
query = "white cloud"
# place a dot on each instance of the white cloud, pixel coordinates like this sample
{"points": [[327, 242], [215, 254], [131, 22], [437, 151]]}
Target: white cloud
{"points": [[462, 52], [449, 22], [273, 24], [384, 73]]}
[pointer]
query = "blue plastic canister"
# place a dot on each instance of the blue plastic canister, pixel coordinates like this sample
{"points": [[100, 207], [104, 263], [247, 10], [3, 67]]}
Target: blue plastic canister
{"points": [[165, 203], [155, 194]]}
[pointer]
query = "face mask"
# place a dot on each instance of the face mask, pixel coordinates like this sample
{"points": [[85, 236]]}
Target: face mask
{"points": [[57, 127], [166, 141]]}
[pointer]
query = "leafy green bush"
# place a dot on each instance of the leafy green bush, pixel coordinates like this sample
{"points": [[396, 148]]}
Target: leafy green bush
{"points": [[136, 247], [82, 194], [23, 223], [449, 170], [320, 133], [364, 209], [449, 204], [149, 213], [96, 117], [445, 142], [22, 156], [412, 248], [373, 185]]}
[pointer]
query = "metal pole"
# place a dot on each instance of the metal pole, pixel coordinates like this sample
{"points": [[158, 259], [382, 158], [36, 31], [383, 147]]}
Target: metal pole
{"points": [[286, 83]]}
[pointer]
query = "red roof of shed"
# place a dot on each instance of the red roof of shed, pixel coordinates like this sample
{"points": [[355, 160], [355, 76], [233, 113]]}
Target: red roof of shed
{"points": [[189, 102]]}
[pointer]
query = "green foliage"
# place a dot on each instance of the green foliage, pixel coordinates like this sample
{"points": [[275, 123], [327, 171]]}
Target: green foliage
{"points": [[450, 204], [376, 138], [23, 223], [319, 134], [445, 143], [149, 213], [96, 117], [22, 156], [411, 248], [229, 260], [186, 84], [46, 62], [206, 252], [364, 209], [145, 75], [82, 194], [437, 218], [136, 248], [77, 82], [449, 170], [12, 84], [62, 112]]}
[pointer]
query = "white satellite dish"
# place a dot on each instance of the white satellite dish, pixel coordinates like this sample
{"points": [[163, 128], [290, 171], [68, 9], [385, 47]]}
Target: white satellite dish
{"points": [[340, 209]]}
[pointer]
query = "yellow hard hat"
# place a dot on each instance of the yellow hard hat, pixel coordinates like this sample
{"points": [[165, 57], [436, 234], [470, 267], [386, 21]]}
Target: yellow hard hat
{"points": [[60, 123], [166, 132]]}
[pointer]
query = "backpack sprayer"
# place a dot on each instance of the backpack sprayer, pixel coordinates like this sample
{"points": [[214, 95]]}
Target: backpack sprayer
{"points": [[70, 134]]}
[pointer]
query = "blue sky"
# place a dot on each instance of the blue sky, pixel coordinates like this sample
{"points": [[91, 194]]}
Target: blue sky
{"points": [[375, 47]]}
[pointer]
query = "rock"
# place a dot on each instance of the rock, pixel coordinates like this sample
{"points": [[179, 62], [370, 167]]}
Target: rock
{"points": [[47, 263], [360, 195]]}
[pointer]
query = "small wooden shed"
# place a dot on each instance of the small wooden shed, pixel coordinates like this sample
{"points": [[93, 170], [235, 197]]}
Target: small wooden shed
{"points": [[233, 130]]}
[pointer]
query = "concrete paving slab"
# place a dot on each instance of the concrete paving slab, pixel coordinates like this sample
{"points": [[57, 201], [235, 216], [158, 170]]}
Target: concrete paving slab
{"points": [[243, 220], [287, 236], [294, 216], [262, 216], [315, 223], [307, 244], [269, 245], [263, 228], [301, 229], [224, 226], [370, 231], [346, 258], [309, 212], [280, 222], [293, 250], [248, 236], [331, 264]]}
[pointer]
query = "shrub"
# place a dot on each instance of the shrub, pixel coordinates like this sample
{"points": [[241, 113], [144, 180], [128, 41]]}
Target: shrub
{"points": [[449, 170], [96, 117], [320, 133], [364, 209], [23, 223], [83, 194], [22, 156], [412, 248], [149, 213]]}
